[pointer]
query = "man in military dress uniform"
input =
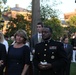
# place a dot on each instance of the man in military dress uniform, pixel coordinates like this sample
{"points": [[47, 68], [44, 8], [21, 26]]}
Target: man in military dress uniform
{"points": [[50, 57]]}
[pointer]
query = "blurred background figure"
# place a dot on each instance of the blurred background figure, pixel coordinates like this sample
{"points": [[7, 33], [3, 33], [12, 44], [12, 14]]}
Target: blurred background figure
{"points": [[69, 50], [37, 38], [4, 41], [12, 40], [73, 42], [60, 40]]}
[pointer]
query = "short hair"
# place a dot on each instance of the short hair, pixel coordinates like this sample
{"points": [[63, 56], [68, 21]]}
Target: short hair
{"points": [[49, 28], [64, 38], [40, 23], [22, 33]]}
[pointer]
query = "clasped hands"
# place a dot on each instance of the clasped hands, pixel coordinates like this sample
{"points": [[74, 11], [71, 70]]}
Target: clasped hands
{"points": [[44, 66]]}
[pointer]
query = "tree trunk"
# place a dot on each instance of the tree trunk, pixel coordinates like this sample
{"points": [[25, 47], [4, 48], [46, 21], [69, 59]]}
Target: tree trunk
{"points": [[35, 15]]}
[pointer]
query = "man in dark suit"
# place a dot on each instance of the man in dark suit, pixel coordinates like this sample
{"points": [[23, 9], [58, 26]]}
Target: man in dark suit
{"points": [[2, 58], [69, 50], [36, 38], [50, 57]]}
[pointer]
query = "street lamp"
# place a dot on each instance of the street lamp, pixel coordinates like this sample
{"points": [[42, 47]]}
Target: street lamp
{"points": [[1, 24]]}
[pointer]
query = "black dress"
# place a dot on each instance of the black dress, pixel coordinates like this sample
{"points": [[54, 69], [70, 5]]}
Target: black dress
{"points": [[17, 58], [2, 57]]}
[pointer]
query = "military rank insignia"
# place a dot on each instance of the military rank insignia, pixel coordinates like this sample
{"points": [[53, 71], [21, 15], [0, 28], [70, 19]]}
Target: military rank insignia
{"points": [[52, 47]]}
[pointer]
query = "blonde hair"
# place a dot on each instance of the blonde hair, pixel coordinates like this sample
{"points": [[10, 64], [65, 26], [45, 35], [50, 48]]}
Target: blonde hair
{"points": [[22, 33], [1, 37]]}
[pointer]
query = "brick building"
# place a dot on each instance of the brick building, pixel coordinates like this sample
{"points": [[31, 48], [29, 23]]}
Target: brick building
{"points": [[68, 15]]}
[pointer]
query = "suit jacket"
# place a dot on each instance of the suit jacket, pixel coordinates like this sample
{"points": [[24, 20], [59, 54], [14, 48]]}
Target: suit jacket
{"points": [[51, 52], [2, 57], [34, 41], [69, 51]]}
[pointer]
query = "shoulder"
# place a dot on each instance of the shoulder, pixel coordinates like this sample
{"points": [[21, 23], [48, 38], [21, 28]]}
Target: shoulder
{"points": [[57, 42], [34, 35], [26, 48], [1, 45], [5, 42], [41, 43], [70, 45], [10, 46]]}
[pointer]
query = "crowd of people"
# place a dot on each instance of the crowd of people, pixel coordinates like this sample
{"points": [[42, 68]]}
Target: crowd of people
{"points": [[42, 55]]}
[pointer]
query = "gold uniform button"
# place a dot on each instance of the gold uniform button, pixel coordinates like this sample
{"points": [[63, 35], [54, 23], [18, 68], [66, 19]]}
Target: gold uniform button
{"points": [[44, 54], [52, 52], [45, 44], [44, 49], [52, 57], [44, 60]]}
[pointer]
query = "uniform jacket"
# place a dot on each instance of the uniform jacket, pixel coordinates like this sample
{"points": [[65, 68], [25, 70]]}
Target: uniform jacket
{"points": [[51, 52]]}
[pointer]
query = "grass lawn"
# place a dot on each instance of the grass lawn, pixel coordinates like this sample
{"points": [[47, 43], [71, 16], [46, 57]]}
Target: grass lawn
{"points": [[73, 69]]}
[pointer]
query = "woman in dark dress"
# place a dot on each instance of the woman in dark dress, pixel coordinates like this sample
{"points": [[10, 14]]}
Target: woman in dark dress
{"points": [[18, 55], [2, 58]]}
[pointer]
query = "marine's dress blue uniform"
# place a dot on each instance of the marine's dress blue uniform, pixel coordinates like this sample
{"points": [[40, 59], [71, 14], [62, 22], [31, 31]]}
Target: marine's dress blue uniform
{"points": [[50, 52]]}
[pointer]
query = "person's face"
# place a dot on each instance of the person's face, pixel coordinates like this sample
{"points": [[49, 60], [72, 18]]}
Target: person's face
{"points": [[39, 28], [46, 34], [66, 40], [19, 39]]}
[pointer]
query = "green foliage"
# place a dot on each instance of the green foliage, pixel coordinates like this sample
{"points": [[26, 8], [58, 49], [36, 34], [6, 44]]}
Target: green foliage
{"points": [[72, 24], [1, 19], [72, 21], [73, 69], [6, 9], [4, 1], [47, 12], [55, 24], [16, 23]]}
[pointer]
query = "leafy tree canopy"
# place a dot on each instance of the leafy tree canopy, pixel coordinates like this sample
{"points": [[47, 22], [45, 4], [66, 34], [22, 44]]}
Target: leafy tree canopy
{"points": [[72, 24], [16, 23], [55, 24]]}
